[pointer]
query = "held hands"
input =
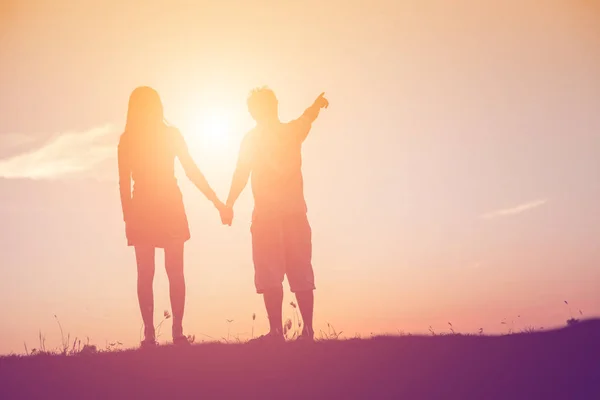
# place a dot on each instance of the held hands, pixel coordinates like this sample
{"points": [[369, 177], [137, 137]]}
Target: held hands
{"points": [[321, 101], [226, 215], [225, 212]]}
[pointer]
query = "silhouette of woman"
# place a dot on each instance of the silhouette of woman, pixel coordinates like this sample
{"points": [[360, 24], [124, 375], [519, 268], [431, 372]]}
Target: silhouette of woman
{"points": [[153, 212]]}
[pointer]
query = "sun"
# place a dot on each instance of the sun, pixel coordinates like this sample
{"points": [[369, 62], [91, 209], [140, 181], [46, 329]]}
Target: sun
{"points": [[210, 131]]}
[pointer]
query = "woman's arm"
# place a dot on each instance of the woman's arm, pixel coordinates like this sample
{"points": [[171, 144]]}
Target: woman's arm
{"points": [[193, 172], [124, 179]]}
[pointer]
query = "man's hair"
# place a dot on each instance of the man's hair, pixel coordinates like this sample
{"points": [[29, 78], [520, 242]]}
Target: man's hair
{"points": [[262, 103]]}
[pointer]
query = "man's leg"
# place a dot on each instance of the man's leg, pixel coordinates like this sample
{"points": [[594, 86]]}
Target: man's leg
{"points": [[306, 302], [274, 302], [269, 269], [144, 256], [174, 267], [298, 246]]}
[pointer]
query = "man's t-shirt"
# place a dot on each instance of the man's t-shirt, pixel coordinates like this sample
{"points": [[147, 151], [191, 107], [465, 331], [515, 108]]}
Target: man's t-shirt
{"points": [[274, 156]]}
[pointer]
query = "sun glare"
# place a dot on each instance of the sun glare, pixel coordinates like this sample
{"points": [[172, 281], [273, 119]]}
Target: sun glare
{"points": [[210, 131], [216, 128]]}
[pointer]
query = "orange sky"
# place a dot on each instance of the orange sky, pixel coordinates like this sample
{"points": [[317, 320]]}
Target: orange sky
{"points": [[454, 177]]}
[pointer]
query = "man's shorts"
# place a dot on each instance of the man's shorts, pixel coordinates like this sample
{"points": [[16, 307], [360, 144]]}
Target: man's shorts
{"points": [[282, 246]]}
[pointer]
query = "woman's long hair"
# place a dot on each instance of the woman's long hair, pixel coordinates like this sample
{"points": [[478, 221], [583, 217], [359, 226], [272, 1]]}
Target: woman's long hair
{"points": [[145, 125], [145, 111]]}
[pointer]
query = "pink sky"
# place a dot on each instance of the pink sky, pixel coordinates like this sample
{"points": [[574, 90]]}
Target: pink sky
{"points": [[455, 176]]}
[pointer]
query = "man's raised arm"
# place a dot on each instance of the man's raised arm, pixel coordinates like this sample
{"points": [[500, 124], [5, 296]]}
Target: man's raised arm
{"points": [[304, 123]]}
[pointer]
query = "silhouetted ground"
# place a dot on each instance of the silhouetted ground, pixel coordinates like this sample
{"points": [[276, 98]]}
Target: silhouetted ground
{"points": [[560, 364]]}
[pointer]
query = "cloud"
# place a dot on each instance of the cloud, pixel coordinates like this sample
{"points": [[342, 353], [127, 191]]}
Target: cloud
{"points": [[515, 210], [69, 154]]}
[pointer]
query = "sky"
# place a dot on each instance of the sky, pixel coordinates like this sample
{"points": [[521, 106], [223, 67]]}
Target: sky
{"points": [[454, 178]]}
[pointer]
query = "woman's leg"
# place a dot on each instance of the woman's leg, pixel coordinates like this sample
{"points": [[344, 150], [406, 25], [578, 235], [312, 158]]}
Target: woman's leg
{"points": [[145, 265], [174, 267]]}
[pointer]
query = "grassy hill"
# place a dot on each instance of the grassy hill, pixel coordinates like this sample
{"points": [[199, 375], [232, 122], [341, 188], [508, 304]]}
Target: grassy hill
{"points": [[559, 364]]}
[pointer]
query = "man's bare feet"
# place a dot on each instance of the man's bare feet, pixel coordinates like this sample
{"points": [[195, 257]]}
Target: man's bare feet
{"points": [[269, 338]]}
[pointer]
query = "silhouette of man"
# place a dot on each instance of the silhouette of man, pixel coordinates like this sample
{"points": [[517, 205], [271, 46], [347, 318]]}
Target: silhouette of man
{"points": [[281, 234]]}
